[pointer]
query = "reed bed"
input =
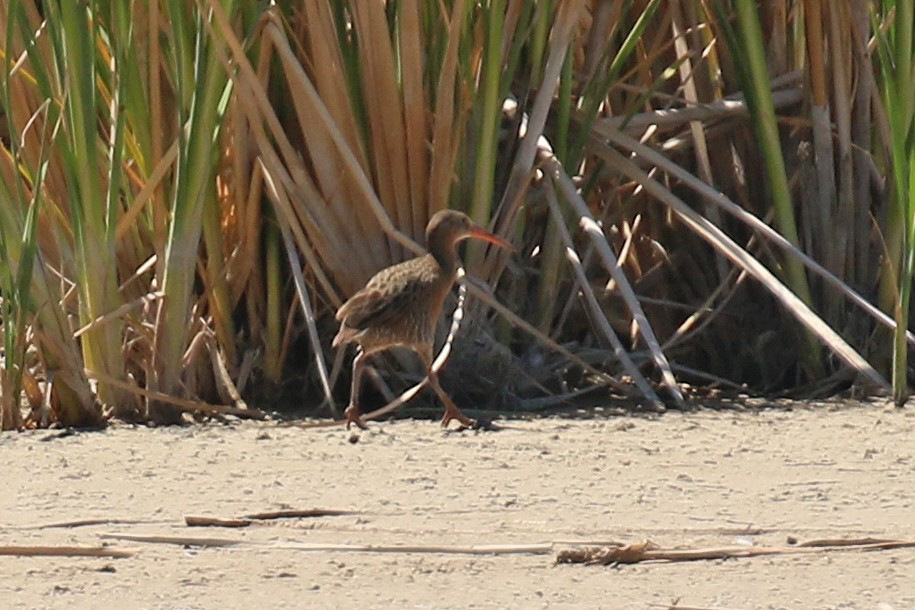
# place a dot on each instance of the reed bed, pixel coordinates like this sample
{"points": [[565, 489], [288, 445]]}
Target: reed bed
{"points": [[704, 195]]}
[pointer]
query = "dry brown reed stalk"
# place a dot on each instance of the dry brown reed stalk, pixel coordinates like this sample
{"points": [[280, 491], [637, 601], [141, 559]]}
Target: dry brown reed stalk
{"points": [[737, 255], [677, 606], [65, 551], [602, 323], [192, 521], [354, 123], [558, 175], [477, 549], [721, 200], [328, 226], [181, 404], [648, 551], [712, 112], [246, 520], [85, 523], [304, 300], [395, 170], [178, 540], [550, 343]]}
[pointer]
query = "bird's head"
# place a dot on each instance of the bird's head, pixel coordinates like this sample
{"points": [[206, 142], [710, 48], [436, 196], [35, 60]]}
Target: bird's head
{"points": [[448, 227]]}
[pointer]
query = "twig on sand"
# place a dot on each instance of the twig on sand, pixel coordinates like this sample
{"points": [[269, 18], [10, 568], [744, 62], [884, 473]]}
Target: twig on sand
{"points": [[247, 520], [83, 523], [648, 551], [192, 521], [300, 513], [64, 551], [603, 555], [476, 549], [875, 542], [179, 540], [676, 606]]}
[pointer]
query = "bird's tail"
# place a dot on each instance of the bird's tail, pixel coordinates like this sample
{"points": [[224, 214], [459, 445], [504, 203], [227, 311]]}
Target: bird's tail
{"points": [[344, 335]]}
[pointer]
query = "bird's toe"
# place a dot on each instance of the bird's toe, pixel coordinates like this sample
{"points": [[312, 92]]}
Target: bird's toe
{"points": [[354, 417]]}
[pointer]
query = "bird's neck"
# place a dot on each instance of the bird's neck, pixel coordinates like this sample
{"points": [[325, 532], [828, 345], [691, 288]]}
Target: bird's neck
{"points": [[445, 255]]}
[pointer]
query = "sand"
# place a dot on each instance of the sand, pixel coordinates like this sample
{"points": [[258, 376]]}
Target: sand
{"points": [[701, 479]]}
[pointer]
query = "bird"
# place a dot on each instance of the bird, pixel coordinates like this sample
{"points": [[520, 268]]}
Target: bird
{"points": [[401, 304]]}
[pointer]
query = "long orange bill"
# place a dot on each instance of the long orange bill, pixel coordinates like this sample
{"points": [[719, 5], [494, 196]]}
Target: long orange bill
{"points": [[480, 233]]}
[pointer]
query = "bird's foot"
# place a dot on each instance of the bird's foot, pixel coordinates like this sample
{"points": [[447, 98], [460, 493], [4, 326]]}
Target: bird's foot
{"points": [[456, 415], [485, 424], [354, 417]]}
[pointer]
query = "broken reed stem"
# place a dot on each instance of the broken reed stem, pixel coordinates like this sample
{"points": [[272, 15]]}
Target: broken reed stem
{"points": [[676, 606], [648, 551], [299, 514], [520, 323], [192, 521], [600, 317], [611, 554], [182, 404], [225, 386], [86, 523], [564, 184], [246, 520], [476, 549], [64, 551], [179, 540], [304, 299]]}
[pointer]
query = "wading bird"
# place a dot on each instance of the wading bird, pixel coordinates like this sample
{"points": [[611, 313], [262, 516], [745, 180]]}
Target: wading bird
{"points": [[401, 305]]}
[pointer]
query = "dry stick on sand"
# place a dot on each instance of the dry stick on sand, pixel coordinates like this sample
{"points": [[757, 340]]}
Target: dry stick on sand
{"points": [[245, 521], [299, 513], [179, 540], [476, 549], [676, 606], [192, 521], [85, 523], [64, 551], [648, 551], [602, 555]]}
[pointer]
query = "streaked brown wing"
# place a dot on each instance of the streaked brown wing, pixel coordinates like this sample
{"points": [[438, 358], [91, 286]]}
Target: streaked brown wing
{"points": [[387, 296]]}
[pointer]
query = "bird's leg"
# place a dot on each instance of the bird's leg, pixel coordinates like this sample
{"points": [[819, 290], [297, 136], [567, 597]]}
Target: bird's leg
{"points": [[353, 416], [451, 409]]}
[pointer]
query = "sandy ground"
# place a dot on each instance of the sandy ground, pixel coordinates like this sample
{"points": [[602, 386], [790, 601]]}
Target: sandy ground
{"points": [[707, 478]]}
